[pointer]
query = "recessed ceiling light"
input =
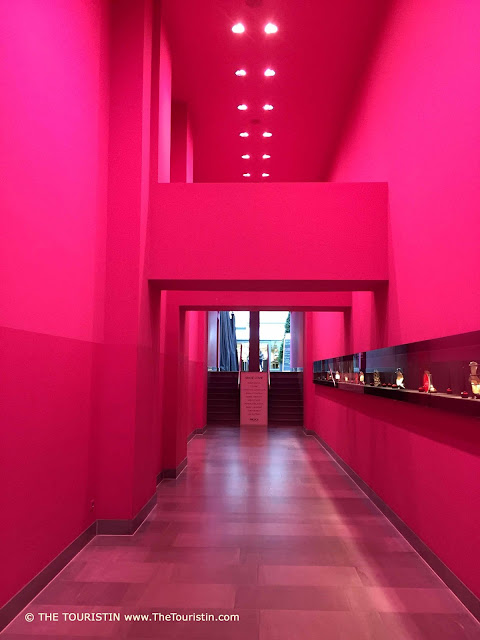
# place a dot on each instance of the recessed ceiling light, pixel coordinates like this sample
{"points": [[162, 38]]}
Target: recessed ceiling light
{"points": [[242, 107], [266, 134], [266, 156], [238, 28], [271, 28], [246, 156], [265, 175], [247, 175], [240, 72], [269, 72], [244, 134], [267, 107]]}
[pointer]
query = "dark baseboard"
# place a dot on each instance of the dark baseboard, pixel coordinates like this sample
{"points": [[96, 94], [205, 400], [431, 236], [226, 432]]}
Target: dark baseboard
{"points": [[463, 593], [100, 527], [172, 473], [21, 599], [125, 527], [197, 432]]}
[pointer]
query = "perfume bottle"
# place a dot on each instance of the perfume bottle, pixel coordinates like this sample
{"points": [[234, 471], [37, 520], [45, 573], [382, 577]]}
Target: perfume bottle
{"points": [[427, 383], [376, 379], [362, 377], [399, 379], [474, 379], [337, 375]]}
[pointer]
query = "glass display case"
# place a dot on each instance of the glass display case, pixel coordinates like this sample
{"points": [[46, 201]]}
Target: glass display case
{"points": [[442, 371]]}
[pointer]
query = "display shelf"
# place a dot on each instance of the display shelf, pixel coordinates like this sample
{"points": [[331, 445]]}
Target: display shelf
{"points": [[441, 363]]}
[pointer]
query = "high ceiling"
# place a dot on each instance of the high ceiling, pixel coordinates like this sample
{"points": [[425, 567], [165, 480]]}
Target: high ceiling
{"points": [[319, 54]]}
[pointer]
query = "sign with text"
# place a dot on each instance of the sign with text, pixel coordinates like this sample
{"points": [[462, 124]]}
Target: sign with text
{"points": [[254, 398]]}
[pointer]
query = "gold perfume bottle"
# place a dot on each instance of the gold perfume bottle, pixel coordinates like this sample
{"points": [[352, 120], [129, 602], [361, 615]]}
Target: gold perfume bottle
{"points": [[399, 379], [474, 379], [376, 379], [362, 377]]}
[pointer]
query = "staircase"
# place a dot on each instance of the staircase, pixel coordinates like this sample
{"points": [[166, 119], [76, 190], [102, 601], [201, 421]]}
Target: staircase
{"points": [[223, 398], [285, 399]]}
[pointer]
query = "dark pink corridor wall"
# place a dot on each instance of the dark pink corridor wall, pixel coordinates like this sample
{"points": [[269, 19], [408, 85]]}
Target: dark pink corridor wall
{"points": [[423, 463], [417, 128], [53, 145]]}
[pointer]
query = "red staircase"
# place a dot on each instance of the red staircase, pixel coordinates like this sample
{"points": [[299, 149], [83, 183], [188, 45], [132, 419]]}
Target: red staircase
{"points": [[223, 398], [285, 399]]}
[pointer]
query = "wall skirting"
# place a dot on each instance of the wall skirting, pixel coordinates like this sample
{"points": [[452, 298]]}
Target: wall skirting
{"points": [[99, 527], [125, 527], [463, 593], [174, 473], [20, 600]]}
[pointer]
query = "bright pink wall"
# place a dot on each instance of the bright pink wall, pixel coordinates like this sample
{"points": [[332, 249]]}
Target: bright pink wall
{"points": [[196, 331], [417, 128], [164, 106], [53, 141], [338, 228], [412, 457]]}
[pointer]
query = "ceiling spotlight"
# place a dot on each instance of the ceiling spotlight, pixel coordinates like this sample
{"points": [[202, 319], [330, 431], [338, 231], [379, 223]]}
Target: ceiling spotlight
{"points": [[246, 156], [244, 134], [269, 72], [271, 28], [266, 156], [247, 175], [267, 107], [266, 134], [240, 72], [239, 28], [242, 107], [265, 175]]}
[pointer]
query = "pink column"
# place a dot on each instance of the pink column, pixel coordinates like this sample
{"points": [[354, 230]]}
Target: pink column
{"points": [[181, 163]]}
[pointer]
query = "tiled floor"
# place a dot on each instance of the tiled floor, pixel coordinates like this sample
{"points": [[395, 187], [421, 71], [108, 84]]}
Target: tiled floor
{"points": [[262, 524]]}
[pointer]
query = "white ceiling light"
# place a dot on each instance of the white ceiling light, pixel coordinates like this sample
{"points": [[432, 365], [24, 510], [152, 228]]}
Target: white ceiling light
{"points": [[244, 134], [266, 156], [247, 175], [246, 156], [267, 107], [238, 28], [266, 134], [242, 107], [269, 72], [265, 175], [271, 28], [240, 72]]}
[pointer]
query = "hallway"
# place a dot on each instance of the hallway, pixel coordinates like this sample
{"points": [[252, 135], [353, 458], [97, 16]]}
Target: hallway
{"points": [[263, 524]]}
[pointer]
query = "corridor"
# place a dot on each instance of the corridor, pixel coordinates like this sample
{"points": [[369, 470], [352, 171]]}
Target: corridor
{"points": [[262, 524]]}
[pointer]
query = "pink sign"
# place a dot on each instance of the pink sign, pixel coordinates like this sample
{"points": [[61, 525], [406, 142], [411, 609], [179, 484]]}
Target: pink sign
{"points": [[254, 398]]}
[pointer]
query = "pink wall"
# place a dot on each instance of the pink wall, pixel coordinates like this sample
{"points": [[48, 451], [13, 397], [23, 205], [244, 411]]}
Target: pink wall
{"points": [[417, 128], [412, 457], [181, 164], [338, 228], [164, 105], [53, 141], [196, 332]]}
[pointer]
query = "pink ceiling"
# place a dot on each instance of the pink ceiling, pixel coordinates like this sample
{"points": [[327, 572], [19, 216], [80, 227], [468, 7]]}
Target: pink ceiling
{"points": [[319, 54]]}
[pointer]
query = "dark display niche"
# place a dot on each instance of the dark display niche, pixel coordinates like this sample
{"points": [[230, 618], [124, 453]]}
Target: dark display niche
{"points": [[450, 361]]}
